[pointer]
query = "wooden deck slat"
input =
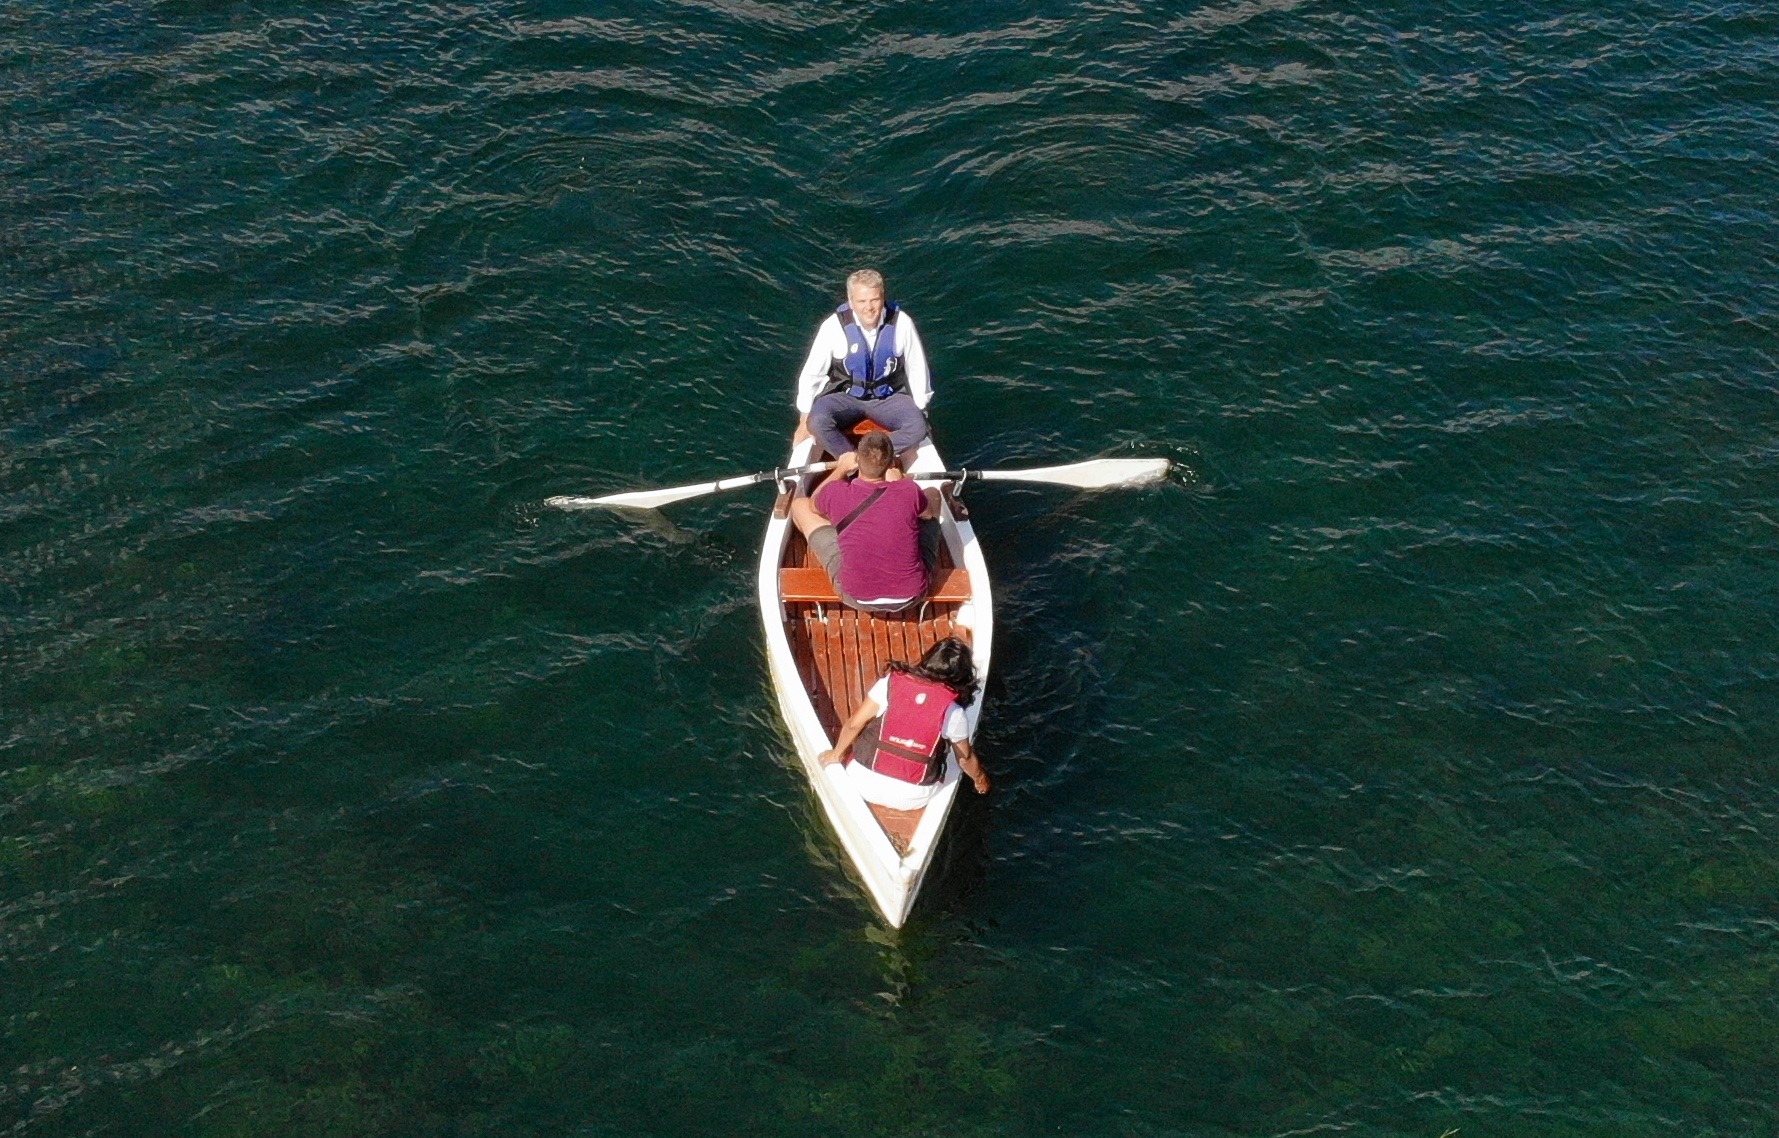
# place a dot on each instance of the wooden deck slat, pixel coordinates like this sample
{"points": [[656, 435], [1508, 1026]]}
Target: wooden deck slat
{"points": [[865, 634], [886, 649], [870, 658], [836, 651], [820, 688], [833, 683], [849, 656], [861, 656], [911, 647], [829, 631], [891, 648], [881, 654], [821, 694], [803, 652], [870, 652], [807, 628], [801, 657]]}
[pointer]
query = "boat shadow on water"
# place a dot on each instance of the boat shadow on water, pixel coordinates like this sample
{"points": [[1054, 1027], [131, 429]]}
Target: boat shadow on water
{"points": [[960, 862], [959, 869]]}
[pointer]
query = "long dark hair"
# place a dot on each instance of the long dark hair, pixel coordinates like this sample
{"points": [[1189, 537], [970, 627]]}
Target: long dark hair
{"points": [[948, 662]]}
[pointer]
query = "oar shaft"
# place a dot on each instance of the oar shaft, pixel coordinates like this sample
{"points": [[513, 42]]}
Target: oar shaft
{"points": [[1093, 474], [741, 480], [947, 476], [655, 499], [773, 475], [793, 472]]}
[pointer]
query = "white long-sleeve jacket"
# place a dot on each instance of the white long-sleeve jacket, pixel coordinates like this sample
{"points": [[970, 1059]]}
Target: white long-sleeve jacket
{"points": [[830, 347]]}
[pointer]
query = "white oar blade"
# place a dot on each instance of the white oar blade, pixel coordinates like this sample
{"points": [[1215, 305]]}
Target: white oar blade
{"points": [[632, 500], [1096, 474]]}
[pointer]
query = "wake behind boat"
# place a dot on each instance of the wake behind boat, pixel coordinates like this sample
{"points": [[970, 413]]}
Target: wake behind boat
{"points": [[824, 657]]}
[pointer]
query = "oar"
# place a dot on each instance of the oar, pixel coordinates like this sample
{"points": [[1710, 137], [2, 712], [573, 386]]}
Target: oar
{"points": [[1095, 474], [654, 499]]}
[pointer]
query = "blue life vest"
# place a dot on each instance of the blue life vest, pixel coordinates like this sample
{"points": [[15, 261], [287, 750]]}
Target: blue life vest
{"points": [[867, 372]]}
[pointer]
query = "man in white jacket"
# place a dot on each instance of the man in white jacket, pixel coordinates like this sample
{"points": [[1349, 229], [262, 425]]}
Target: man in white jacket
{"points": [[867, 362]]}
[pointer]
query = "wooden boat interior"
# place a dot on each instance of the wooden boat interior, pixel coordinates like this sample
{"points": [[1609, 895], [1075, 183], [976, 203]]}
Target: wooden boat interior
{"points": [[840, 652]]}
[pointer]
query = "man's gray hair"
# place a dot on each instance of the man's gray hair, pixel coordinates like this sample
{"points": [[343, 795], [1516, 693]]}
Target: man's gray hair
{"points": [[867, 278]]}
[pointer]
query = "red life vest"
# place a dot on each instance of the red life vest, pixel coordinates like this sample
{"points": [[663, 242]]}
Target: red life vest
{"points": [[909, 731]]}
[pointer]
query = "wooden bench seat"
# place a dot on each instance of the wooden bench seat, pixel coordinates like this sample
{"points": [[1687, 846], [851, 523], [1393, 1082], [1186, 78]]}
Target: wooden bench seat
{"points": [[810, 583]]}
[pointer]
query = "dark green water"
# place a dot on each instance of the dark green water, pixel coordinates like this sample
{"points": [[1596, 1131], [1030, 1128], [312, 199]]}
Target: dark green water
{"points": [[1404, 770]]}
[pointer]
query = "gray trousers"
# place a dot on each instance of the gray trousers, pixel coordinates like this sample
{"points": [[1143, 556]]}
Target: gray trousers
{"points": [[830, 415]]}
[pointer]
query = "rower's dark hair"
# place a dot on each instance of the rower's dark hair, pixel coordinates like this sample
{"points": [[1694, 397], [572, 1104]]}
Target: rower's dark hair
{"points": [[948, 662], [876, 452]]}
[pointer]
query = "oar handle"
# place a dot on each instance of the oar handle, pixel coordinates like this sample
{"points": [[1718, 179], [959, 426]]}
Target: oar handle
{"points": [[779, 475]]}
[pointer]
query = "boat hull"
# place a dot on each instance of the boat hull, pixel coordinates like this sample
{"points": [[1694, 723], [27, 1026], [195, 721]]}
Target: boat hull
{"points": [[822, 657]]}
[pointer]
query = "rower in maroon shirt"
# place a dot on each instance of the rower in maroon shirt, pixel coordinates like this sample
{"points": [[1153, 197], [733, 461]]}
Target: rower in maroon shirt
{"points": [[877, 538]]}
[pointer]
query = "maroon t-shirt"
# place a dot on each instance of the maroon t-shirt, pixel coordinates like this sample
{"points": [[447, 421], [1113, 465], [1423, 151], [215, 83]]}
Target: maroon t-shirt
{"points": [[880, 550]]}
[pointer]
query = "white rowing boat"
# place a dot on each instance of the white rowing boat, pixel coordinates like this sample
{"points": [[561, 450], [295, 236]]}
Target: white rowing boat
{"points": [[823, 657]]}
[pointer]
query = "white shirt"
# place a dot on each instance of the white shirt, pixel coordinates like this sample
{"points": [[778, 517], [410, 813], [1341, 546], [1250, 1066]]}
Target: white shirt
{"points": [[830, 345]]}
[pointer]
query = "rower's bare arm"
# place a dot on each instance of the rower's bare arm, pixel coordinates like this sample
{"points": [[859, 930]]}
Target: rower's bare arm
{"points": [[849, 731], [843, 466], [803, 510], [803, 430]]}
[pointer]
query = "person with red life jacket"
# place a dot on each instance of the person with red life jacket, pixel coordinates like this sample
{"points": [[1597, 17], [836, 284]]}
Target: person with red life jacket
{"points": [[900, 735]]}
